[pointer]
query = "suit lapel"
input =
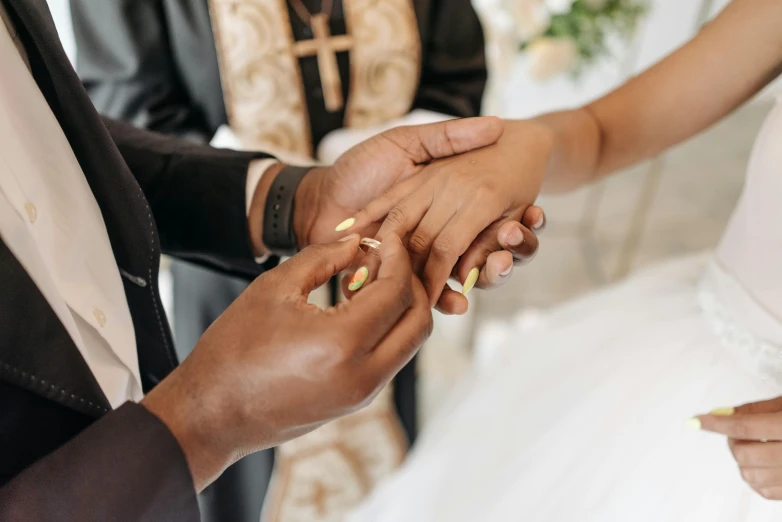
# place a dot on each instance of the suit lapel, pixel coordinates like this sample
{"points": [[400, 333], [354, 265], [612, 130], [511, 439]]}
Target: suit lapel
{"points": [[37, 353], [121, 201], [124, 208]]}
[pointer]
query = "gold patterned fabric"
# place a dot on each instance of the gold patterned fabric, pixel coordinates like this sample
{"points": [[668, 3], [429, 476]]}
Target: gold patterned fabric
{"points": [[260, 75], [321, 476], [262, 81], [385, 64]]}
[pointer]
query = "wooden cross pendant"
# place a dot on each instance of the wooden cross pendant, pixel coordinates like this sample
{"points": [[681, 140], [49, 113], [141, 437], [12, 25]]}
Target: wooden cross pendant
{"points": [[326, 47]]}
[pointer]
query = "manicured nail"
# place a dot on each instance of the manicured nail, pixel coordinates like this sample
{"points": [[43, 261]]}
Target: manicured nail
{"points": [[507, 271], [358, 279], [539, 223], [351, 237], [515, 238], [693, 423], [723, 412], [345, 225], [469, 283]]}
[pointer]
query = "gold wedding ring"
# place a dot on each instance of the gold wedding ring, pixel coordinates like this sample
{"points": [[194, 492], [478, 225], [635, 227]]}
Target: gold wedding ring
{"points": [[371, 243]]}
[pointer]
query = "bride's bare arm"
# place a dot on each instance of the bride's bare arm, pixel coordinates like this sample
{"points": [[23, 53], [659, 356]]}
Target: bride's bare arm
{"points": [[729, 61], [482, 194]]}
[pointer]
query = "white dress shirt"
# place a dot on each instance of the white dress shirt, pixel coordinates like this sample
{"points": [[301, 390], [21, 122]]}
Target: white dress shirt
{"points": [[51, 222]]}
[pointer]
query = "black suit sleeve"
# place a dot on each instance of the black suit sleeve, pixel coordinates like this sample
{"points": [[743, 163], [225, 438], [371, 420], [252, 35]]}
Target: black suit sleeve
{"points": [[127, 63], [453, 75], [197, 194], [127, 466]]}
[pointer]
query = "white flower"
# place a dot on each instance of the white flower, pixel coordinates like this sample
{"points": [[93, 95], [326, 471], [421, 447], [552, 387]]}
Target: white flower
{"points": [[549, 57], [530, 17], [559, 6]]}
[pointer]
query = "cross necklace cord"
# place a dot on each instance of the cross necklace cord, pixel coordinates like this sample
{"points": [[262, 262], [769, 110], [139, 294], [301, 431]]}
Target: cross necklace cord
{"points": [[325, 47]]}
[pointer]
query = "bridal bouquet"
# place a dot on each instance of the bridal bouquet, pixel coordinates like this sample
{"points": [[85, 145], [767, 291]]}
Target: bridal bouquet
{"points": [[561, 36]]}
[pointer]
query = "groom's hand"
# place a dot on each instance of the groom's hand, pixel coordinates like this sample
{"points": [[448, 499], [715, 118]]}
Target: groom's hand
{"points": [[273, 367], [329, 196]]}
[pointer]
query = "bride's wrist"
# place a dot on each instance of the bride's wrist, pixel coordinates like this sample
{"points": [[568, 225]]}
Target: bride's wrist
{"points": [[532, 143], [573, 149]]}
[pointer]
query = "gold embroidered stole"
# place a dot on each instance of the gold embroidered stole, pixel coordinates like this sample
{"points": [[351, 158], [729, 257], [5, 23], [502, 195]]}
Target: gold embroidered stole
{"points": [[262, 82]]}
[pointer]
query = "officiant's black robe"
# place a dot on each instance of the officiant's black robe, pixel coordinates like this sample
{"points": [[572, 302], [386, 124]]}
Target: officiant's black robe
{"points": [[154, 63]]}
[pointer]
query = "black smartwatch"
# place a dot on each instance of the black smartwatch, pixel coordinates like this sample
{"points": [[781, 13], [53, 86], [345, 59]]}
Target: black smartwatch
{"points": [[278, 233]]}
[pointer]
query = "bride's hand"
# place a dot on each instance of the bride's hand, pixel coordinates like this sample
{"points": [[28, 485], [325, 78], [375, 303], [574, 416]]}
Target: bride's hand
{"points": [[754, 434], [454, 206]]}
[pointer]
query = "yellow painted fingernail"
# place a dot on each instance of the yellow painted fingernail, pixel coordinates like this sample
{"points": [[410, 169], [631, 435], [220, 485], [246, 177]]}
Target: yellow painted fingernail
{"points": [[469, 283], [723, 412], [693, 423], [358, 279], [345, 225]]}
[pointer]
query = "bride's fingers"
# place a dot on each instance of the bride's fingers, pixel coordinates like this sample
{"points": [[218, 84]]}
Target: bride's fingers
{"points": [[756, 427], [478, 252], [362, 271], [397, 208], [771, 493], [453, 242], [750, 454], [496, 271], [769, 406], [493, 240], [431, 225], [762, 478], [760, 464]]}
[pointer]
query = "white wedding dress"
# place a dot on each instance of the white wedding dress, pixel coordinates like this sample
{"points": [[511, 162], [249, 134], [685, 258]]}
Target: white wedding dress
{"points": [[584, 420]]}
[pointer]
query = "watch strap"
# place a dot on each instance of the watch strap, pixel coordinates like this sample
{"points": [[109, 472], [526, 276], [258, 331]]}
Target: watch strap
{"points": [[278, 233]]}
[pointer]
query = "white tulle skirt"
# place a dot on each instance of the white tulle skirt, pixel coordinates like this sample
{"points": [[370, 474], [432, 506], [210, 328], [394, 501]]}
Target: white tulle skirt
{"points": [[584, 420]]}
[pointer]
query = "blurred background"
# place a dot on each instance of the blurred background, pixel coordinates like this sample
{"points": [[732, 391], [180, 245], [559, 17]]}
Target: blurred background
{"points": [[674, 204]]}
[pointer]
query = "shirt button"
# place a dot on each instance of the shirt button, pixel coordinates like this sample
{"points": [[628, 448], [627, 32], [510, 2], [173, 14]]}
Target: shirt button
{"points": [[99, 316], [32, 212]]}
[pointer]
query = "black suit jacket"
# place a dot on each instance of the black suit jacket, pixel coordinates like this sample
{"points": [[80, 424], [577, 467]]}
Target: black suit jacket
{"points": [[154, 63], [64, 455]]}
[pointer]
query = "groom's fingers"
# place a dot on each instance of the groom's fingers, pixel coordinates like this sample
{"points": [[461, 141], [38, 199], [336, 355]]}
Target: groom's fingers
{"points": [[519, 241], [377, 308], [497, 270], [534, 219], [405, 338], [315, 265], [424, 143], [452, 302]]}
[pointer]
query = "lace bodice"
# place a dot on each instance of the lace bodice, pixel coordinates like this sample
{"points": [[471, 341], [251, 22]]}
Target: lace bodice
{"points": [[741, 293]]}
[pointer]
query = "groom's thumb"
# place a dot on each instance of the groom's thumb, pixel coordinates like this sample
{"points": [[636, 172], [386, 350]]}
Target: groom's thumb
{"points": [[441, 140], [315, 265]]}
